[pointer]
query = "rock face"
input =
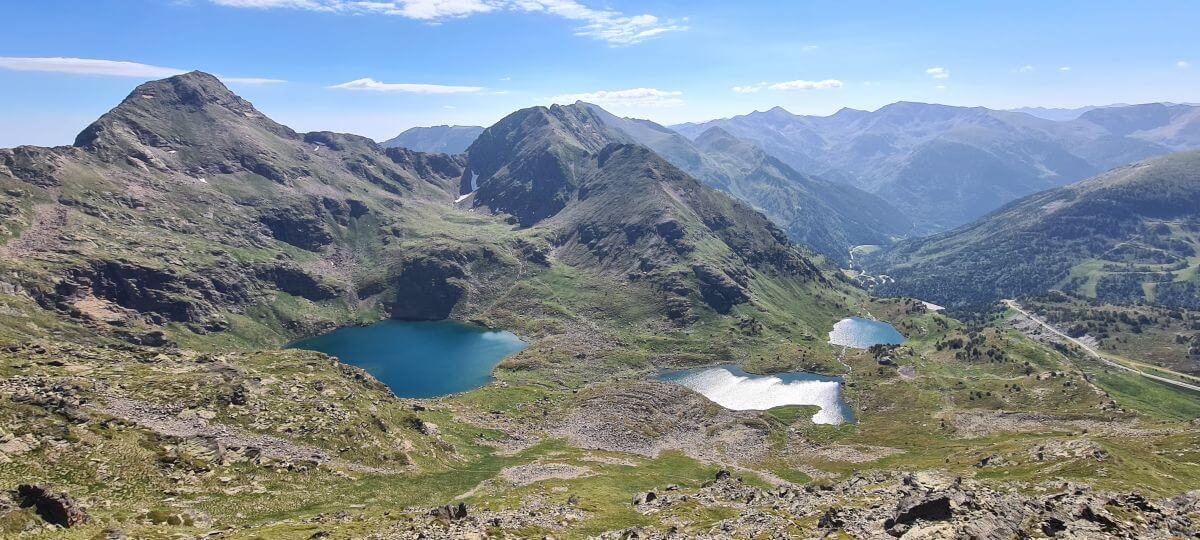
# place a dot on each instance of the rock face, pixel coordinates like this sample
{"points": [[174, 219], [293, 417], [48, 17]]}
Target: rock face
{"points": [[56, 508], [719, 290], [920, 507], [426, 288], [164, 294]]}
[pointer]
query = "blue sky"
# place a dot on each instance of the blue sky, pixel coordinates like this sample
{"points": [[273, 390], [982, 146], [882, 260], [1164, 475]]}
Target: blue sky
{"points": [[378, 67]]}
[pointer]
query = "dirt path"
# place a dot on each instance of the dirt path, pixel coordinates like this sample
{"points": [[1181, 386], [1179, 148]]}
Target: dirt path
{"points": [[1093, 352], [841, 360]]}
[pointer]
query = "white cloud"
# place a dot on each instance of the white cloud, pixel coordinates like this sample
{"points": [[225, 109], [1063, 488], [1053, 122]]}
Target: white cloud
{"points": [[1065, 68], [633, 97], [1182, 64], [87, 66], [110, 68], [938, 72], [789, 85], [940, 87], [807, 85], [615, 27], [1025, 69], [373, 85]]}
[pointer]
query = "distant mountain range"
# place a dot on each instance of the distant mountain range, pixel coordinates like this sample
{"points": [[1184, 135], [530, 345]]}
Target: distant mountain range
{"points": [[944, 166], [829, 217], [1057, 114], [1129, 235], [436, 139]]}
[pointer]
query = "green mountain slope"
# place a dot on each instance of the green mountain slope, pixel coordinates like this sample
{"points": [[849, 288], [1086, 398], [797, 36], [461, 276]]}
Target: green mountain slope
{"points": [[1126, 236], [619, 207]]}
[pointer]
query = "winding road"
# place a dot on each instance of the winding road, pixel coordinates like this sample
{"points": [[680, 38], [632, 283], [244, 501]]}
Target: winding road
{"points": [[1012, 304]]}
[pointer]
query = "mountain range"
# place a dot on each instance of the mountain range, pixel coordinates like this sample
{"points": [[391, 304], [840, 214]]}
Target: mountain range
{"points": [[828, 217], [153, 273], [273, 217], [1127, 236], [944, 166]]}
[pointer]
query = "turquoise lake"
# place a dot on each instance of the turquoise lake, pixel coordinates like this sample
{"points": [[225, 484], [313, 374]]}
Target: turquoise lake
{"points": [[420, 359], [861, 333], [734, 389]]}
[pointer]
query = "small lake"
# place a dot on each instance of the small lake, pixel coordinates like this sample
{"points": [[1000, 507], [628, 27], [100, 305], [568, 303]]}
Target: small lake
{"points": [[732, 388], [420, 359], [861, 333]]}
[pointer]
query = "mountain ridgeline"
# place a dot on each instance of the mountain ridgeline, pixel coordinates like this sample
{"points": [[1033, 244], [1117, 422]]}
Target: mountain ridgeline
{"points": [[185, 211], [944, 166], [435, 139], [1127, 236]]}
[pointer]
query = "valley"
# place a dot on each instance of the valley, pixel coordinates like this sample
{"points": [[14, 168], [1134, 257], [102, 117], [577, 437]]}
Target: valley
{"points": [[156, 272]]}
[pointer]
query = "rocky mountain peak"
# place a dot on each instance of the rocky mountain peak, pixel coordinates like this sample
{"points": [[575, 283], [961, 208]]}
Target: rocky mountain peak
{"points": [[192, 109]]}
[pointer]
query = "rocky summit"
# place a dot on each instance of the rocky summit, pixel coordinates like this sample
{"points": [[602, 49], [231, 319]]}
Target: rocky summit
{"points": [[153, 275]]}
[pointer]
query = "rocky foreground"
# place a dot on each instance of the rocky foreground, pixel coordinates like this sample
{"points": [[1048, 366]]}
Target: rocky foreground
{"points": [[880, 505]]}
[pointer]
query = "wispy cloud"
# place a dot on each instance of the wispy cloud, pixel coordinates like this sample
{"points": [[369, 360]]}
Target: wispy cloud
{"points": [[1182, 64], [110, 68], [789, 85], [749, 89], [1025, 69], [609, 25], [1065, 68], [633, 97], [372, 85], [807, 85], [938, 72]]}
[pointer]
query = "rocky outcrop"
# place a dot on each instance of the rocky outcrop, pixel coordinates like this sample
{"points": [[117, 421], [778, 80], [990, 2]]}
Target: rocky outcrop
{"points": [[719, 291], [426, 288], [918, 507], [299, 227], [450, 512], [297, 282], [56, 508], [923, 505], [162, 294]]}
